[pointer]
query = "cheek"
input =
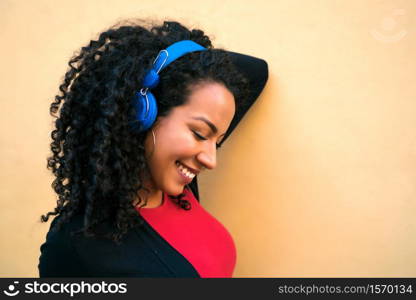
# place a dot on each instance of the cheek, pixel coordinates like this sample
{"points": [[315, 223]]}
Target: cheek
{"points": [[171, 147], [181, 145]]}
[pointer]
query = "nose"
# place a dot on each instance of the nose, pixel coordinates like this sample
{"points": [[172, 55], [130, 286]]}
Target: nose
{"points": [[208, 156]]}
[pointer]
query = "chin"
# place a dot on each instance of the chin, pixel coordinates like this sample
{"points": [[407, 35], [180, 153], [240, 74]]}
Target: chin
{"points": [[174, 191]]}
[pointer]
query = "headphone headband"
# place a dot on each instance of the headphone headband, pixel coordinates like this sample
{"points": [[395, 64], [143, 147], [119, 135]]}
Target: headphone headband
{"points": [[174, 51], [166, 57]]}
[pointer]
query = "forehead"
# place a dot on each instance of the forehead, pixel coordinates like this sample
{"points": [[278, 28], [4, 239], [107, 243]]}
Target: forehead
{"points": [[210, 100]]}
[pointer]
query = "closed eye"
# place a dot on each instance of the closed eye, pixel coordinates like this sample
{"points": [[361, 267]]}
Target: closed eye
{"points": [[201, 138]]}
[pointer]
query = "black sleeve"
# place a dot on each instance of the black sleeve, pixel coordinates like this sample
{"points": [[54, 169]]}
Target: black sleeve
{"points": [[256, 71], [58, 257]]}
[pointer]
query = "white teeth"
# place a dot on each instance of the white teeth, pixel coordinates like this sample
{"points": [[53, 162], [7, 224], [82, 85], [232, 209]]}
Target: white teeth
{"points": [[185, 170]]}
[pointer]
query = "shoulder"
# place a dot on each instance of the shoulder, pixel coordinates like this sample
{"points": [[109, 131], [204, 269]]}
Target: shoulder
{"points": [[58, 255], [62, 235]]}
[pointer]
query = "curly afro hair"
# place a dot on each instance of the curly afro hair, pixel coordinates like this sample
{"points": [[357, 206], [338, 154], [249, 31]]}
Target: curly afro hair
{"points": [[97, 159]]}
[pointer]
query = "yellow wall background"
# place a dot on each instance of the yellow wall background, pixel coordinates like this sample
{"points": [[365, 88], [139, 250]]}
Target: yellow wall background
{"points": [[319, 180]]}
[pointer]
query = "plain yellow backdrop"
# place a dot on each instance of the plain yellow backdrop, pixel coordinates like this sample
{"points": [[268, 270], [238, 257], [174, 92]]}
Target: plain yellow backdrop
{"points": [[318, 180]]}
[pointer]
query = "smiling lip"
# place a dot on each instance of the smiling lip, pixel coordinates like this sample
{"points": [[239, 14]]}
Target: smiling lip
{"points": [[196, 172], [184, 178]]}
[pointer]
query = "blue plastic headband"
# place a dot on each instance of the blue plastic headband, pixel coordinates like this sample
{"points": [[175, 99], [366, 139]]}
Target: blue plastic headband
{"points": [[165, 57]]}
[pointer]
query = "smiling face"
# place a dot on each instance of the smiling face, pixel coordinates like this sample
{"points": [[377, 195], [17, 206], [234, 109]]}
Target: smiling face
{"points": [[180, 137]]}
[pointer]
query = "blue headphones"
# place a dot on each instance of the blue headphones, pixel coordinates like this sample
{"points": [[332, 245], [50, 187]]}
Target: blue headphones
{"points": [[144, 101]]}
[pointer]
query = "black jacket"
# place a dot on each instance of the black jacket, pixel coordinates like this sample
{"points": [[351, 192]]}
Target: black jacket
{"points": [[142, 253]]}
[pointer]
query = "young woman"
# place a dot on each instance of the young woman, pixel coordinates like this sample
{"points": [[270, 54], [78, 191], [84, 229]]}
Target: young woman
{"points": [[142, 112]]}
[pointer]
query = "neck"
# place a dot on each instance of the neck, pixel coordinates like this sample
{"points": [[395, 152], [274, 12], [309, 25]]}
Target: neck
{"points": [[154, 197]]}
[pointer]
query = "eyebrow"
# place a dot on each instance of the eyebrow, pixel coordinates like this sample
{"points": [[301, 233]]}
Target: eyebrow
{"points": [[213, 128]]}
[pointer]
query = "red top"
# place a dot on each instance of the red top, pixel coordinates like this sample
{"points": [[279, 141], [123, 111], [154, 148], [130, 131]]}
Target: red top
{"points": [[194, 233]]}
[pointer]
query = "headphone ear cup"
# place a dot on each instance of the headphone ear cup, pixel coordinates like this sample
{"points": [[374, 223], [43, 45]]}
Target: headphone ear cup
{"points": [[146, 111]]}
